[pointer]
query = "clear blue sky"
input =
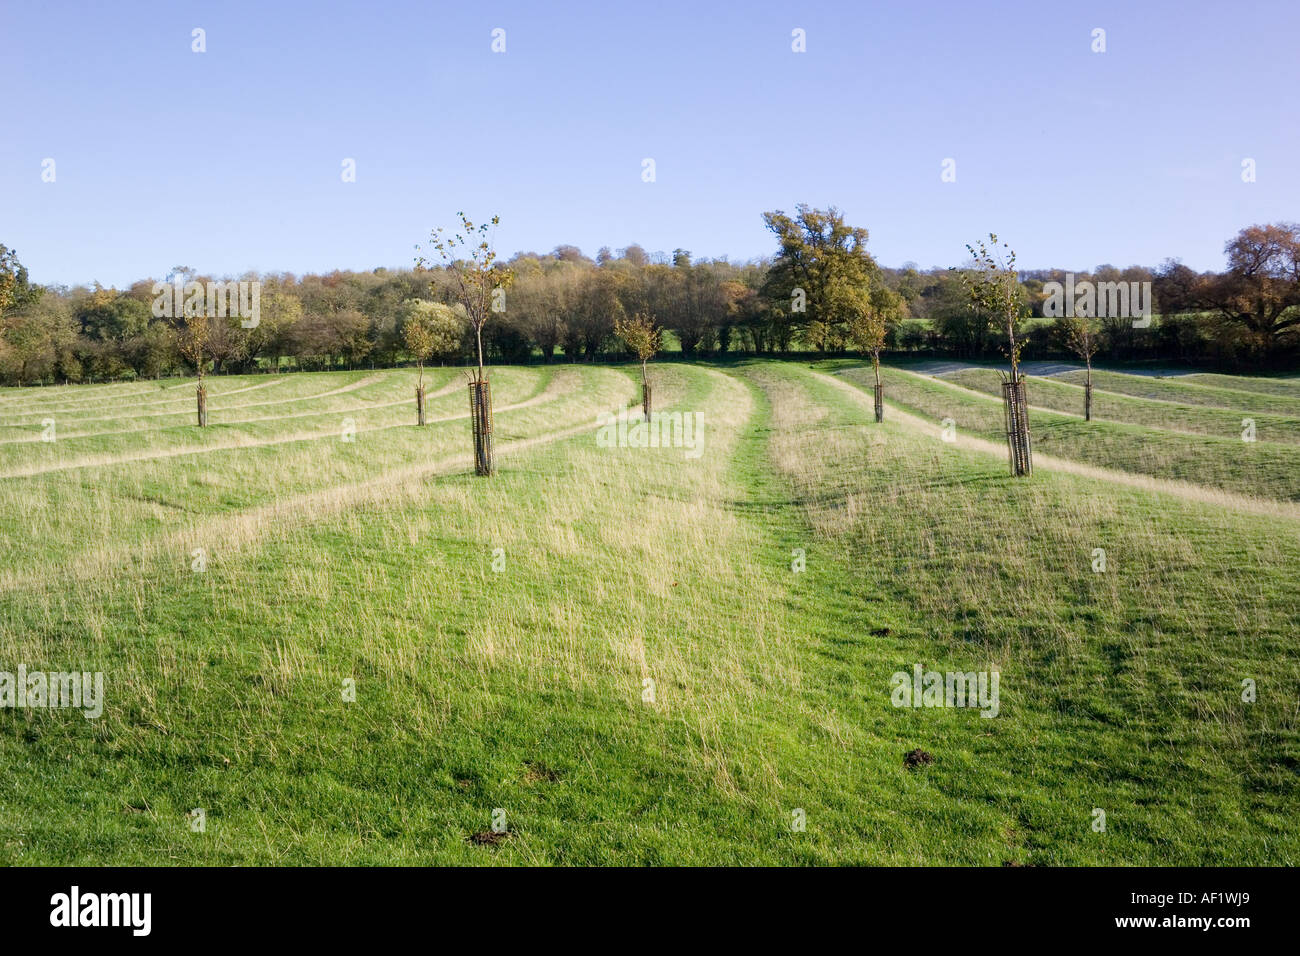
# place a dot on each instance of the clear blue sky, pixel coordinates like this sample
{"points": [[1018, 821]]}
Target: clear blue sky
{"points": [[230, 160]]}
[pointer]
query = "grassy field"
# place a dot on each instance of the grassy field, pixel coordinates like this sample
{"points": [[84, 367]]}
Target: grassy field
{"points": [[1262, 468], [1268, 396], [610, 649], [1166, 415]]}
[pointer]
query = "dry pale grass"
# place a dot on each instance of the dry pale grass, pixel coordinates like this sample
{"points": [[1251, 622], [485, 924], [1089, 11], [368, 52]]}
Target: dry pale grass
{"points": [[664, 549], [316, 411], [187, 404], [123, 409], [555, 390], [231, 532]]}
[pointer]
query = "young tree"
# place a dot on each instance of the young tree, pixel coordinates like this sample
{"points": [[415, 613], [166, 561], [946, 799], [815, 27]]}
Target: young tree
{"points": [[480, 284], [187, 314], [870, 315], [479, 281], [644, 338], [1081, 339], [193, 338], [994, 287], [428, 329]]}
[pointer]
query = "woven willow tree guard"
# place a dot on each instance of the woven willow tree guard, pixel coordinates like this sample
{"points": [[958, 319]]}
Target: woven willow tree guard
{"points": [[202, 394], [1087, 401], [419, 404], [1017, 414], [480, 414], [645, 398], [880, 403], [994, 288]]}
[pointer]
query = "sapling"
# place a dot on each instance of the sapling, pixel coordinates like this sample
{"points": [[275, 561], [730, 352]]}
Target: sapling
{"points": [[480, 284], [428, 329], [644, 338], [994, 289], [1081, 337]]}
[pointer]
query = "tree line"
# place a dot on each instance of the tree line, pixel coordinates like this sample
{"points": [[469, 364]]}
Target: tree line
{"points": [[820, 292]]}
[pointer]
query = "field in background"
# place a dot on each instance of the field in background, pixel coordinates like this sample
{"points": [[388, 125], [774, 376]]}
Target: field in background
{"points": [[609, 647], [1199, 445]]}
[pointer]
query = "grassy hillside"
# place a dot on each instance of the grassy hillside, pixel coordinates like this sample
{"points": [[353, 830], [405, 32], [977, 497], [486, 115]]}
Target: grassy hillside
{"points": [[1051, 393], [1256, 396], [1262, 468], [524, 689]]}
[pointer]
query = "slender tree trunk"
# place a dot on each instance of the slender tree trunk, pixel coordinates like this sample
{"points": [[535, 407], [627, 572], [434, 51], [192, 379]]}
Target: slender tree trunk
{"points": [[202, 396], [880, 389], [1011, 338], [1087, 394], [419, 395], [478, 336]]}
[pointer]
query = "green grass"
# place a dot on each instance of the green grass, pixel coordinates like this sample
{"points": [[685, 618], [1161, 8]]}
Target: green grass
{"points": [[1262, 468], [1057, 395], [523, 689], [1287, 386], [1239, 393]]}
